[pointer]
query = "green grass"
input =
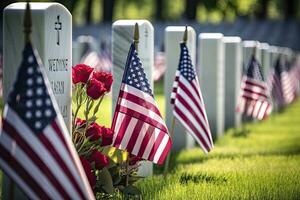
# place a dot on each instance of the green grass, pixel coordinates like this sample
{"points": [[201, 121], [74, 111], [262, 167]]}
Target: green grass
{"points": [[263, 164]]}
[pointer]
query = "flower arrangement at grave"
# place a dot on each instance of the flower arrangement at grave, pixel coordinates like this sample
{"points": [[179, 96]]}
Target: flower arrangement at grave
{"points": [[107, 176]]}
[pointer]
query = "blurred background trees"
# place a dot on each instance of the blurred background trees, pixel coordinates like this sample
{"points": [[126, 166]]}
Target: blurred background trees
{"points": [[214, 11]]}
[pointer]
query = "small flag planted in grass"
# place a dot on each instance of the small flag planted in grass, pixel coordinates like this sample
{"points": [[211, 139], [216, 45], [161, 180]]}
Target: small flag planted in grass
{"points": [[137, 123], [189, 108], [254, 99]]}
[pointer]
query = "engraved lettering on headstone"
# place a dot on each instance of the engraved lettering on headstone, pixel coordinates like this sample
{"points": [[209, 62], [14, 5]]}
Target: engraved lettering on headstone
{"points": [[58, 28], [146, 36], [58, 87], [58, 65], [63, 110]]}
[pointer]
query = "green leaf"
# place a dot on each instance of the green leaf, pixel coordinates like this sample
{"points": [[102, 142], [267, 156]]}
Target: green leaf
{"points": [[106, 181]]}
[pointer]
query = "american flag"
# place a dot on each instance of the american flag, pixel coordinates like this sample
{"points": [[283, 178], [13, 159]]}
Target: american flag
{"points": [[254, 98], [137, 124], [36, 151], [100, 62], [276, 84], [189, 106]]}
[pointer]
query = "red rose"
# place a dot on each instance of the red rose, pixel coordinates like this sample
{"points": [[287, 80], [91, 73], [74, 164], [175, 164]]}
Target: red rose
{"points": [[93, 132], [80, 122], [95, 89], [100, 159], [105, 77], [88, 171], [107, 136], [81, 73]]}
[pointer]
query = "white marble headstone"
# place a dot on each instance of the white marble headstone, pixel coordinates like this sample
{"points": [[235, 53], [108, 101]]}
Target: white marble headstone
{"points": [[122, 37], [233, 64], [173, 37], [265, 59], [51, 36], [274, 53], [211, 72], [248, 48]]}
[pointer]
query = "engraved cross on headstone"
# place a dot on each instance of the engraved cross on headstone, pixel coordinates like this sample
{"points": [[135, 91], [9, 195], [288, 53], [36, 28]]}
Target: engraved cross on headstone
{"points": [[57, 28]]}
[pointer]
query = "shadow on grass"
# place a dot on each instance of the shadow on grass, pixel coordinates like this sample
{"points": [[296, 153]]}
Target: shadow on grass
{"points": [[174, 161], [201, 178]]}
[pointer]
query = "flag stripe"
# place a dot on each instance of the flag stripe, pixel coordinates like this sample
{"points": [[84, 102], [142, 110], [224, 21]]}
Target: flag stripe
{"points": [[14, 164], [164, 152], [128, 133], [135, 134], [143, 111], [58, 168], [121, 130], [145, 118], [34, 157], [199, 119], [145, 141], [28, 166], [63, 166], [191, 126], [139, 101], [140, 138], [26, 187], [156, 145], [191, 130], [197, 127]]}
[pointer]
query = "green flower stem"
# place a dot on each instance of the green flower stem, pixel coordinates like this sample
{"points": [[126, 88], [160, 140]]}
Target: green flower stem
{"points": [[87, 113], [78, 93], [98, 105]]}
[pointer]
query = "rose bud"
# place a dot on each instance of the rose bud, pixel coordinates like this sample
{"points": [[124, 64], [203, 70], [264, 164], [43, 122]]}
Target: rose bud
{"points": [[81, 73], [100, 159], [88, 171], [93, 132], [107, 136], [105, 77], [95, 89], [80, 122]]}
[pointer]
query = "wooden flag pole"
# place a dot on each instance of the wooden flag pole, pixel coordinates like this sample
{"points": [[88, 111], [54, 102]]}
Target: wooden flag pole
{"points": [[136, 38], [27, 30], [167, 163]]}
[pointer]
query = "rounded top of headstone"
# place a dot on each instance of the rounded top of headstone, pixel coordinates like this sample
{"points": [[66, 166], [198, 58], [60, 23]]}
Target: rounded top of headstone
{"points": [[131, 22], [178, 28], [274, 49], [264, 46], [37, 6], [231, 39], [250, 43], [33, 6], [210, 36]]}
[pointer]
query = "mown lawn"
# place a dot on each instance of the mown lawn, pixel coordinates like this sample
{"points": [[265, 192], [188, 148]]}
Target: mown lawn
{"points": [[263, 164]]}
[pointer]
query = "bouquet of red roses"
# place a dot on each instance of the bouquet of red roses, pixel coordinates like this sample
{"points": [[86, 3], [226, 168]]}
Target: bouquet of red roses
{"points": [[91, 140]]}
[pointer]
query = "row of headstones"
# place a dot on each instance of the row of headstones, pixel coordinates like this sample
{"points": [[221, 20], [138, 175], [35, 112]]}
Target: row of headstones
{"points": [[221, 62], [220, 57]]}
